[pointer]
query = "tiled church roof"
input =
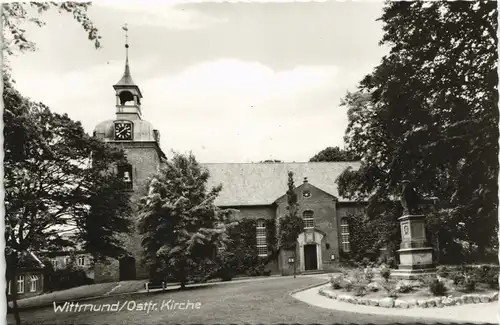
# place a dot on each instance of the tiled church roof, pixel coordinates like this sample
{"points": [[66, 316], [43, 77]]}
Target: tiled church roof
{"points": [[263, 183]]}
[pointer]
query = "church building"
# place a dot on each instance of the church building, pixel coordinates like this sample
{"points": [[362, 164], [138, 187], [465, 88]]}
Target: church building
{"points": [[256, 190]]}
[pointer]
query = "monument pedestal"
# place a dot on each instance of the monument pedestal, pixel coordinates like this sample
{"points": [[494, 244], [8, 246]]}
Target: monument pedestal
{"points": [[415, 254]]}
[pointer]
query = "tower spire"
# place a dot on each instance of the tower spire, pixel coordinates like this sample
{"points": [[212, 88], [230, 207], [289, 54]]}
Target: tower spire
{"points": [[127, 69], [126, 80]]}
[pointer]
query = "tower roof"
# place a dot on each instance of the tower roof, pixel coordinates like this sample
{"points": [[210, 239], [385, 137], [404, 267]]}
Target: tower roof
{"points": [[126, 79]]}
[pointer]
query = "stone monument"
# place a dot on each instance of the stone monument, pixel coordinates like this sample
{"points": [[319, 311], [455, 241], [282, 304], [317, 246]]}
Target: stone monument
{"points": [[415, 254]]}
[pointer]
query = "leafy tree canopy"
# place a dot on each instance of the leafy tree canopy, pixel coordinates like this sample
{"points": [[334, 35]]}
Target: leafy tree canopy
{"points": [[182, 226], [428, 113], [59, 178], [332, 154], [16, 14]]}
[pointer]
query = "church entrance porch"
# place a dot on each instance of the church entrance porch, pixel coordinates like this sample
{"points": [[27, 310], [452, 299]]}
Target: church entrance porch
{"points": [[310, 257], [309, 243]]}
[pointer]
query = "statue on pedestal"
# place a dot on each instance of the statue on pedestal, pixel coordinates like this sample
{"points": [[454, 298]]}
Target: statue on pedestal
{"points": [[415, 254], [410, 199]]}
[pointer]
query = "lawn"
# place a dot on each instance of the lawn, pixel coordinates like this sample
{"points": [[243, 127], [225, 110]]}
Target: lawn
{"points": [[258, 301], [93, 290]]}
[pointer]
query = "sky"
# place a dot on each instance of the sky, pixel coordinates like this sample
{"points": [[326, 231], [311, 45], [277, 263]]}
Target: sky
{"points": [[231, 82]]}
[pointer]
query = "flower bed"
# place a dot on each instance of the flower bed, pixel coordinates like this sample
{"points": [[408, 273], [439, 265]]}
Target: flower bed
{"points": [[377, 288], [389, 302]]}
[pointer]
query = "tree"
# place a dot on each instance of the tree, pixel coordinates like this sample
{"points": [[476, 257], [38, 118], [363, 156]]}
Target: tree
{"points": [[182, 227], [15, 14], [334, 154], [58, 178], [429, 113], [290, 225]]}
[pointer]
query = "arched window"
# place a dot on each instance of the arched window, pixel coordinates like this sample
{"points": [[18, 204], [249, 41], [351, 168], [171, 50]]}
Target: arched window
{"points": [[125, 96], [308, 218], [344, 233], [261, 238]]}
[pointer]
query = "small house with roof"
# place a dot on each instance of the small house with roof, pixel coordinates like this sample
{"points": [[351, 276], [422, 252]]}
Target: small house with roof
{"points": [[30, 277]]}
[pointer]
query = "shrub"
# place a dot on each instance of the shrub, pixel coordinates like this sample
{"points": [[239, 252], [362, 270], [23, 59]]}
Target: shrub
{"points": [[437, 288], [385, 273], [443, 271], [390, 288], [405, 288], [335, 282], [492, 280], [458, 278], [345, 272], [469, 284], [392, 262], [373, 287], [465, 279], [359, 289], [226, 273], [258, 270], [369, 274], [358, 276], [348, 286], [68, 278]]}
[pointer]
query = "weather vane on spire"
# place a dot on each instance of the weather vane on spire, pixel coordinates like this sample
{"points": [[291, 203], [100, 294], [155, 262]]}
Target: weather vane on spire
{"points": [[125, 28]]}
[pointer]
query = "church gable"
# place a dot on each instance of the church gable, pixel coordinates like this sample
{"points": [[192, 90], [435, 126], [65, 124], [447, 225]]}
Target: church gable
{"points": [[308, 192]]}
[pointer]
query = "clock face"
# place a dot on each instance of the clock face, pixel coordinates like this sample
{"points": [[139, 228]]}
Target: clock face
{"points": [[123, 131]]}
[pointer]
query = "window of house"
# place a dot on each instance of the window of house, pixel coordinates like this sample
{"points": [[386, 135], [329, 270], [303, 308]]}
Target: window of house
{"points": [[54, 263], [8, 287], [20, 284], [261, 238], [81, 261], [308, 218], [344, 233], [34, 283]]}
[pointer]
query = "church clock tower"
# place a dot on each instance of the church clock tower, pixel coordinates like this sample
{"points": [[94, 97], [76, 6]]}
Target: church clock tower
{"points": [[141, 144]]}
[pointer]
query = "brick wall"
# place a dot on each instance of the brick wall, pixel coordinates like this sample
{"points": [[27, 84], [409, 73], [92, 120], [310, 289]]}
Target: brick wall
{"points": [[255, 212], [145, 161], [323, 205]]}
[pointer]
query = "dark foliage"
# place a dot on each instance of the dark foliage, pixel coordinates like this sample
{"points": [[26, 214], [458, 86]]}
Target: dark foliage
{"points": [[428, 113], [437, 288]]}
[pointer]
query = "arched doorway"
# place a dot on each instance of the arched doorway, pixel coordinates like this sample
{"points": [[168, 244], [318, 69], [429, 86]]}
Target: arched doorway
{"points": [[127, 268]]}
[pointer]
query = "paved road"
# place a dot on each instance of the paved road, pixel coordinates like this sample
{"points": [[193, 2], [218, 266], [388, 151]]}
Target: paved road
{"points": [[259, 301]]}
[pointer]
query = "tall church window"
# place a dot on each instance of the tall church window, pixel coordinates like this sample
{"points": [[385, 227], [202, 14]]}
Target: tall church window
{"points": [[344, 233], [261, 238], [308, 217], [125, 172]]}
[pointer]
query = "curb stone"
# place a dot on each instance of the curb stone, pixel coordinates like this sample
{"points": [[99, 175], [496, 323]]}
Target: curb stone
{"points": [[310, 287], [438, 302]]}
